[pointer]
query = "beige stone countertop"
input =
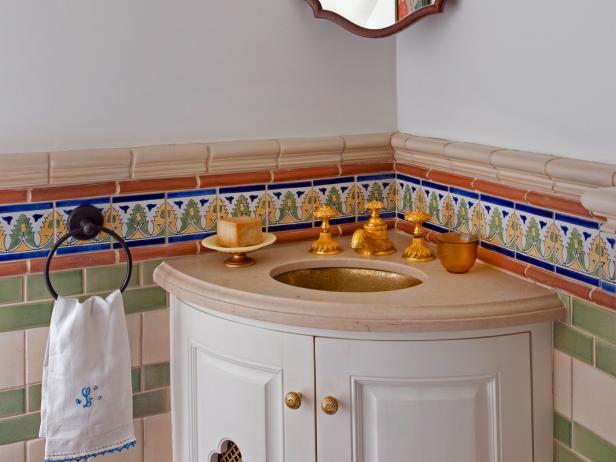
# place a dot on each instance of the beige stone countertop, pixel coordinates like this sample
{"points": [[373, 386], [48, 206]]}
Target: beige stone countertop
{"points": [[481, 299]]}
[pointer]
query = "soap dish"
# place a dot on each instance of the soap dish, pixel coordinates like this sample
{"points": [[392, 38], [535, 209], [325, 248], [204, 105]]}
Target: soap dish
{"points": [[238, 254]]}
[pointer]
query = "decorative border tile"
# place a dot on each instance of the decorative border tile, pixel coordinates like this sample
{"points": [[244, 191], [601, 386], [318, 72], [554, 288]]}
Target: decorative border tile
{"points": [[191, 215], [26, 230], [139, 219], [382, 187], [339, 194], [248, 201], [291, 205], [407, 190], [61, 212], [465, 202]]}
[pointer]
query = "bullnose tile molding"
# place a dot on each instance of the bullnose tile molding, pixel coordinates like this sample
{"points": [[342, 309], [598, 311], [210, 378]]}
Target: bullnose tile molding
{"points": [[602, 202], [305, 152], [89, 166], [28, 169], [153, 161], [374, 147], [235, 156]]}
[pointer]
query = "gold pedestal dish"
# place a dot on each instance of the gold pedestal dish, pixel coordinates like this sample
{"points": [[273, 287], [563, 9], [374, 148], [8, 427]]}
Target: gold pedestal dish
{"points": [[239, 255]]}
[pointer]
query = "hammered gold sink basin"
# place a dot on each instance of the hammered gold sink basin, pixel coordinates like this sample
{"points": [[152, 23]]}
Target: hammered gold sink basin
{"points": [[343, 279]]}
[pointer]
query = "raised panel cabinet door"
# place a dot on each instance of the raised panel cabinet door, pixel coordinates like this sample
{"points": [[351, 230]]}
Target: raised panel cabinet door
{"points": [[228, 384], [425, 401]]}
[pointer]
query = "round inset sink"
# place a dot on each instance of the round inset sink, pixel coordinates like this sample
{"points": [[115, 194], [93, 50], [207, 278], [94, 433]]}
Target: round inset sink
{"points": [[344, 279]]}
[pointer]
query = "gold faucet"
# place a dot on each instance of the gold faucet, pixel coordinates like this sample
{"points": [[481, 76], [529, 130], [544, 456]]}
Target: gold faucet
{"points": [[372, 238], [418, 250], [325, 244]]}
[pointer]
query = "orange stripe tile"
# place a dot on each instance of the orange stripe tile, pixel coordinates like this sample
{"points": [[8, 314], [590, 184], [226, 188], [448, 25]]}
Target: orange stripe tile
{"points": [[405, 226], [413, 170], [13, 196], [233, 179], [496, 189], [354, 169], [165, 184], [451, 179], [299, 235], [305, 173], [605, 299], [161, 251], [13, 268], [73, 191], [500, 261], [348, 228], [74, 261], [557, 203], [557, 282]]}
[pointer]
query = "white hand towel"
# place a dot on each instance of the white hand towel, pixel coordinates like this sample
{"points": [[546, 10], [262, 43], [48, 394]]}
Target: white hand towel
{"points": [[86, 407]]}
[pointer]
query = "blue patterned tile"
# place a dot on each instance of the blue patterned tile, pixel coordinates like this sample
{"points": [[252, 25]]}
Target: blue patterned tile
{"points": [[293, 205], [501, 222], [191, 215], [439, 204], [339, 194], [583, 247], [407, 190], [465, 203], [26, 230], [382, 187], [139, 217], [538, 237]]}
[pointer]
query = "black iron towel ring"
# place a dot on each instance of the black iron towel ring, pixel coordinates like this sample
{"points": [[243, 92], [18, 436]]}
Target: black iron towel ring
{"points": [[84, 223]]}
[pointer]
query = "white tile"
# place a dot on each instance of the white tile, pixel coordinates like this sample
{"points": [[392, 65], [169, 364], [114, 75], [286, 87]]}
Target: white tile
{"points": [[36, 341], [594, 400], [12, 359], [134, 454], [562, 384], [36, 450], [155, 336], [15, 452], [157, 435], [133, 323]]}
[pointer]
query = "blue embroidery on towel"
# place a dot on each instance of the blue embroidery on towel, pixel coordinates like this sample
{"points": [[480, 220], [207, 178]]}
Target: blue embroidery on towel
{"points": [[86, 393], [85, 457]]}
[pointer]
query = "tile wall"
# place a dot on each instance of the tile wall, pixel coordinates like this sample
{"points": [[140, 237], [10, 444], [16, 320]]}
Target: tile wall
{"points": [[564, 246]]}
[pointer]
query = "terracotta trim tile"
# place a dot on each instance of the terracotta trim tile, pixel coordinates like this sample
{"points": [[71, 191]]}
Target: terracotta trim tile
{"points": [[348, 228], [431, 235], [232, 179], [413, 170], [164, 184], [461, 181], [13, 268], [500, 190], [557, 203], [305, 173], [299, 235], [405, 226], [603, 298], [13, 196], [73, 191], [82, 260], [353, 169], [557, 282], [500, 261], [167, 250]]}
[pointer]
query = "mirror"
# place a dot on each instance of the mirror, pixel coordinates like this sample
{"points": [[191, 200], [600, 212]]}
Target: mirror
{"points": [[375, 18]]}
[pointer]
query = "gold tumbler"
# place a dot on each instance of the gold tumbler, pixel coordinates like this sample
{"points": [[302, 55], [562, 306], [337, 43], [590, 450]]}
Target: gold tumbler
{"points": [[457, 252]]}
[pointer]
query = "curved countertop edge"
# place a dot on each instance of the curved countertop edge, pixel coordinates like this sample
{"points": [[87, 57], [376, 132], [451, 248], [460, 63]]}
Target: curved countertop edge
{"points": [[345, 317]]}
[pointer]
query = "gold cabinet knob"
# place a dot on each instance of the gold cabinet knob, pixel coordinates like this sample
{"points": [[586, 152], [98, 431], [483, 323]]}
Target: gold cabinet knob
{"points": [[293, 399], [329, 405]]}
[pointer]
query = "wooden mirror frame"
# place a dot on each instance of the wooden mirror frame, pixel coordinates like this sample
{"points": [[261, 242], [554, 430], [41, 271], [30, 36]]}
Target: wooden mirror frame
{"points": [[319, 12]]}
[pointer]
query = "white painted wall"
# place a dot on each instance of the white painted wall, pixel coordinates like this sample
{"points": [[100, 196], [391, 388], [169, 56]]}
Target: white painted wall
{"points": [[538, 75], [93, 73]]}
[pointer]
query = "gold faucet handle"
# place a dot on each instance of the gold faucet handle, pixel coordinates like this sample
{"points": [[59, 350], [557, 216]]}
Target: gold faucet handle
{"points": [[325, 244], [418, 218], [325, 212], [375, 207]]}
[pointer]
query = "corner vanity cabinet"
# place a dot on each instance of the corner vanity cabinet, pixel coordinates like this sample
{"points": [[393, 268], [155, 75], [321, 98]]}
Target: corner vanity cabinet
{"points": [[425, 398], [455, 368]]}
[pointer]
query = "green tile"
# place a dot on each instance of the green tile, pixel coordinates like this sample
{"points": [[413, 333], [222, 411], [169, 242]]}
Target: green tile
{"points": [[566, 299], [135, 376], [595, 320], [562, 454], [34, 397], [156, 376], [592, 446], [147, 269], [137, 300], [11, 290], [64, 282], [562, 429], [605, 357], [108, 278], [17, 317], [149, 403], [572, 342], [12, 402], [21, 428]]}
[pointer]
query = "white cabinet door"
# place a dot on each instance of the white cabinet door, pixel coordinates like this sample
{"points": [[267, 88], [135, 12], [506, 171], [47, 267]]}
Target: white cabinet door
{"points": [[229, 381], [425, 401]]}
